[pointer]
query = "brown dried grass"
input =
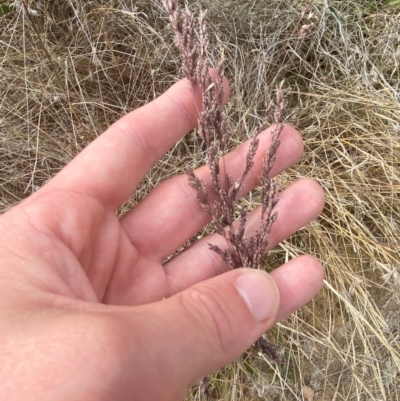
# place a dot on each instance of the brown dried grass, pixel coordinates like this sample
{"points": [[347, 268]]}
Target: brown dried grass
{"points": [[70, 71]]}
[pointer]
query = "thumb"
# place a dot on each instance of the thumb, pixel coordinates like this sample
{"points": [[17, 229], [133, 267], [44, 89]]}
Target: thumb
{"points": [[212, 323]]}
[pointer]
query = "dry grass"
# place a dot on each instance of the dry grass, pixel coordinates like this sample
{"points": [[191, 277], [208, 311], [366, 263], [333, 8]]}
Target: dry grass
{"points": [[74, 68]]}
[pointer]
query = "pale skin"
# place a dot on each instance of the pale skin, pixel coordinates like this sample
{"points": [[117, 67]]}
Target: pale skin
{"points": [[88, 310]]}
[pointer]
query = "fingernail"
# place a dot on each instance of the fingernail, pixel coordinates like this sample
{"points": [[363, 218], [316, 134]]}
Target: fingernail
{"points": [[259, 293]]}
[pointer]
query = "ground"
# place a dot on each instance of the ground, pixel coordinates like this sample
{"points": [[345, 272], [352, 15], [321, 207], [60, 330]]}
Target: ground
{"points": [[69, 69]]}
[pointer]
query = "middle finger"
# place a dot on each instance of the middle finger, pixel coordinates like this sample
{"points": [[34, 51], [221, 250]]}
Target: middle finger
{"points": [[171, 213]]}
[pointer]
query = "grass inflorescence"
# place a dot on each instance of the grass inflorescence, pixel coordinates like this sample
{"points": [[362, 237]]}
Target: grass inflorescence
{"points": [[94, 61]]}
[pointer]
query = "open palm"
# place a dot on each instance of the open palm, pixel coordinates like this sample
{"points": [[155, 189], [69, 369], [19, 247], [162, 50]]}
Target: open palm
{"points": [[64, 249]]}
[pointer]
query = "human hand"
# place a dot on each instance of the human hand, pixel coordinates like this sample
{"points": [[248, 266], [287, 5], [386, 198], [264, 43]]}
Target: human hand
{"points": [[89, 311]]}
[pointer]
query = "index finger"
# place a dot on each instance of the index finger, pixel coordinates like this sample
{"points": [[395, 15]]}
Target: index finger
{"points": [[112, 166]]}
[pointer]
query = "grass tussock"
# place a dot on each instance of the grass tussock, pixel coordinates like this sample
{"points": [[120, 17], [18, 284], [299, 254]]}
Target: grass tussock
{"points": [[70, 68]]}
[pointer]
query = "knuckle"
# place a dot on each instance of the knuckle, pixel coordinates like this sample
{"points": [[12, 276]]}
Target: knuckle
{"points": [[212, 317]]}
